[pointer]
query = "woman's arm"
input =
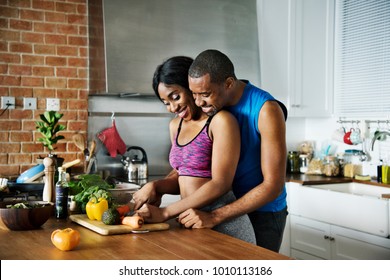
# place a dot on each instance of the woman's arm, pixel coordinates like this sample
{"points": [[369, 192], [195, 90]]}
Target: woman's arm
{"points": [[225, 133], [152, 191]]}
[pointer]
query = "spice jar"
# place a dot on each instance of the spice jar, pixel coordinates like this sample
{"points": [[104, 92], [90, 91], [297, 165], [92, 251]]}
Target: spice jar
{"points": [[293, 162], [331, 167]]}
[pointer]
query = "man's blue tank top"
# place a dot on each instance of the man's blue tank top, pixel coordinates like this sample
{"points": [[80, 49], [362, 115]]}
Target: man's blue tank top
{"points": [[248, 174]]}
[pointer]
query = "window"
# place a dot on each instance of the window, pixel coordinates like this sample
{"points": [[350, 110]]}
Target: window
{"points": [[362, 58]]}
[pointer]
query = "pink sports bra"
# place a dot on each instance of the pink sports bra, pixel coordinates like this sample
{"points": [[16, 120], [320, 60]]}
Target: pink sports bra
{"points": [[194, 158]]}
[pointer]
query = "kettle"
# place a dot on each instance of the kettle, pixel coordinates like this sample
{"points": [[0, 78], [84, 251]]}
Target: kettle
{"points": [[136, 168]]}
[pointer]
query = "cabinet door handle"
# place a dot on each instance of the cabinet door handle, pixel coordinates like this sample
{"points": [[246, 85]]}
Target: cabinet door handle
{"points": [[295, 105], [326, 237], [331, 238]]}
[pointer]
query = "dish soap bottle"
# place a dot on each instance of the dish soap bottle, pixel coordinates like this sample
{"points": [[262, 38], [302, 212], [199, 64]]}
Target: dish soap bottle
{"points": [[62, 188]]}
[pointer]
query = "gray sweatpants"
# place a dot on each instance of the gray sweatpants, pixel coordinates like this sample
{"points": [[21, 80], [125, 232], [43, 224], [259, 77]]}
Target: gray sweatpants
{"points": [[240, 227]]}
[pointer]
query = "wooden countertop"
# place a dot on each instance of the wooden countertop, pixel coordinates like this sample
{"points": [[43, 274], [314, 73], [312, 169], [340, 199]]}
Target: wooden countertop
{"points": [[173, 244]]}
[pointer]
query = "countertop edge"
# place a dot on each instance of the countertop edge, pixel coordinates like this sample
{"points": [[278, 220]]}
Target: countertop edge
{"points": [[305, 179]]}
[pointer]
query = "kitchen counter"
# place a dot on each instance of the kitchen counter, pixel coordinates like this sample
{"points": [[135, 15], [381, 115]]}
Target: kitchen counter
{"points": [[173, 244], [305, 179]]}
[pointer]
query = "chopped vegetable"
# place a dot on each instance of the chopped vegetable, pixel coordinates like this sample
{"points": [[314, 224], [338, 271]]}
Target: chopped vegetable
{"points": [[26, 205], [123, 209]]}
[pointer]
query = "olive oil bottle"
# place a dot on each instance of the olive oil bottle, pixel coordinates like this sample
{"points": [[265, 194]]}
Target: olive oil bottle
{"points": [[62, 188]]}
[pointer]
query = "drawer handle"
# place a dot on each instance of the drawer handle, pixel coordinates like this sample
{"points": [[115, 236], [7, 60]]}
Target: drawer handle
{"points": [[326, 237]]}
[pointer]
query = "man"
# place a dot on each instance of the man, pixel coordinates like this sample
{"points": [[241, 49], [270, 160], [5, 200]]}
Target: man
{"points": [[259, 182]]}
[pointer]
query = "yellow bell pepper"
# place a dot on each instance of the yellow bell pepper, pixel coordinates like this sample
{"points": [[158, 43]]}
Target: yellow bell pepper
{"points": [[96, 207]]}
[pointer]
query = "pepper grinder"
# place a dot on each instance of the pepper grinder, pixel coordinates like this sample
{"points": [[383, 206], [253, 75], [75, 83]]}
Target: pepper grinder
{"points": [[48, 189]]}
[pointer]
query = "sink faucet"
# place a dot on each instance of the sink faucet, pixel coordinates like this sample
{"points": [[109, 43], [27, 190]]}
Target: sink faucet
{"points": [[377, 136]]}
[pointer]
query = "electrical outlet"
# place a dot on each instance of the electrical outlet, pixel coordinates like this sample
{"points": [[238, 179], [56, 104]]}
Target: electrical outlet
{"points": [[7, 100], [29, 103], [52, 104]]}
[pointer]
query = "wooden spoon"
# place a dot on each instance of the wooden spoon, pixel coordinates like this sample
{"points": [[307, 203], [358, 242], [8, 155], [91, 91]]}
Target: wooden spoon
{"points": [[79, 141]]}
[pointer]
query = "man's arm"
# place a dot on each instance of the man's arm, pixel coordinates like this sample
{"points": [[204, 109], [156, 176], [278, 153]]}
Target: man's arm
{"points": [[273, 161]]}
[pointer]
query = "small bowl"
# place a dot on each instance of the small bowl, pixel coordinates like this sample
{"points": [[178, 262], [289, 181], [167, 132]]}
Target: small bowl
{"points": [[26, 218], [123, 192]]}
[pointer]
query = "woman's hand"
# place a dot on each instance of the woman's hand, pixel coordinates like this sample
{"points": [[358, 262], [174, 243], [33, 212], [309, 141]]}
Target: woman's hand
{"points": [[152, 214], [147, 194]]}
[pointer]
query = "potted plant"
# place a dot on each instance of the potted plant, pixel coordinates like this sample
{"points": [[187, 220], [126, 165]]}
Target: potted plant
{"points": [[49, 127]]}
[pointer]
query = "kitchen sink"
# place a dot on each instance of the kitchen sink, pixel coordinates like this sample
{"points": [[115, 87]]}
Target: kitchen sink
{"points": [[355, 188], [352, 205]]}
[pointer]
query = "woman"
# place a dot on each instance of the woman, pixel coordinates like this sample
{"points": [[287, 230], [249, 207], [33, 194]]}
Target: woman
{"points": [[204, 155]]}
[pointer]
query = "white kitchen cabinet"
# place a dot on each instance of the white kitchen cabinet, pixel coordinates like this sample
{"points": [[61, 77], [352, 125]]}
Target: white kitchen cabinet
{"points": [[311, 239], [296, 42]]}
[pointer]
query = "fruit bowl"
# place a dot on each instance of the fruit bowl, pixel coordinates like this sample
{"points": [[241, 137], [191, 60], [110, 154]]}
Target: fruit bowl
{"points": [[26, 218]]}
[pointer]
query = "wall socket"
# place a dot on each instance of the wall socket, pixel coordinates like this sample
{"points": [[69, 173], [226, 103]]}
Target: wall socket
{"points": [[29, 103], [52, 104], [7, 100]]}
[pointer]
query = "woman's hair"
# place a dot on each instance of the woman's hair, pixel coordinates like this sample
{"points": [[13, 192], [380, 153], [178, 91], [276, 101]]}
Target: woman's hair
{"points": [[173, 71]]}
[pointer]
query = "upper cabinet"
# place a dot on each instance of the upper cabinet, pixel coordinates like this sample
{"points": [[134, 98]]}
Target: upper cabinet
{"points": [[296, 42]]}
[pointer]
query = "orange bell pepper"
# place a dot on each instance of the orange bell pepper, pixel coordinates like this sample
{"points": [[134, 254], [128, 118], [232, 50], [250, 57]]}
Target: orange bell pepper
{"points": [[65, 239]]}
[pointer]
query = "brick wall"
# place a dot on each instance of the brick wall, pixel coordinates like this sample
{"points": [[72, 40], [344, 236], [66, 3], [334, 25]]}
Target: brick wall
{"points": [[43, 54]]}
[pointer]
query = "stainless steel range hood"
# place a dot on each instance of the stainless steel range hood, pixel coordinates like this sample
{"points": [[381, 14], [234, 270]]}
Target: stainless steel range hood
{"points": [[139, 35]]}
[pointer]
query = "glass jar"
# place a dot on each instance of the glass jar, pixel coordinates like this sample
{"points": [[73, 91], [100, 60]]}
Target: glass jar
{"points": [[303, 163], [352, 164], [331, 166], [293, 162]]}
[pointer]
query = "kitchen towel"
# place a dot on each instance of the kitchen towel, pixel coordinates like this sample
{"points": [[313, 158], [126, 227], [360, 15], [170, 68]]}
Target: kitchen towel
{"points": [[112, 140]]}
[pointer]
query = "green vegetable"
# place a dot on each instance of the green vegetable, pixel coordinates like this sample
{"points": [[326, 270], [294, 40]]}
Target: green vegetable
{"points": [[111, 217], [88, 186], [25, 205]]}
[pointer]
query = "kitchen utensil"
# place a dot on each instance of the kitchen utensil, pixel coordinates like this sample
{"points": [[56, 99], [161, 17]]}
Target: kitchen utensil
{"points": [[70, 164], [137, 168], [49, 188], [79, 141], [31, 174], [92, 147], [25, 218], [101, 228]]}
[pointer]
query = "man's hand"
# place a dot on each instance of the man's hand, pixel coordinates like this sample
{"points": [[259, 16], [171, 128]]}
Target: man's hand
{"points": [[147, 194], [193, 218]]}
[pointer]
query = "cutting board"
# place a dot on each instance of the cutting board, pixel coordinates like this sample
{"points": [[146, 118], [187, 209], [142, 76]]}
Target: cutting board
{"points": [[101, 228]]}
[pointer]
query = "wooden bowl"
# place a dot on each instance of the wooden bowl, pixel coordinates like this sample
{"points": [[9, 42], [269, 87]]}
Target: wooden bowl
{"points": [[26, 219]]}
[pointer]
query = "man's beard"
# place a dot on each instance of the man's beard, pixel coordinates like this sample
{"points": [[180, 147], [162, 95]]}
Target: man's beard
{"points": [[212, 112]]}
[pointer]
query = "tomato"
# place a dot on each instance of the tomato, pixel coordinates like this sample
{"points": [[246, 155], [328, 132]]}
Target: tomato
{"points": [[65, 239]]}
